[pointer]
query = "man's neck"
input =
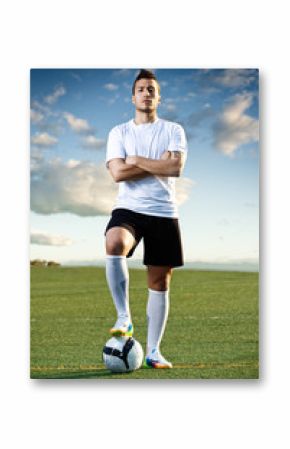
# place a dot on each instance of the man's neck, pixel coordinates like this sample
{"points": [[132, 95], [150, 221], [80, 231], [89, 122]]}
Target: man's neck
{"points": [[145, 117]]}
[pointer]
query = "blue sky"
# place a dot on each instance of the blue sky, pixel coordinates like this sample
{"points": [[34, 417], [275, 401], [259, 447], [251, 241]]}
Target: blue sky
{"points": [[72, 111]]}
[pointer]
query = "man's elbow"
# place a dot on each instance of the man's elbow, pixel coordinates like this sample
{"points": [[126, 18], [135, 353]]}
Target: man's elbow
{"points": [[177, 170], [175, 173], [116, 175], [118, 178], [177, 164]]}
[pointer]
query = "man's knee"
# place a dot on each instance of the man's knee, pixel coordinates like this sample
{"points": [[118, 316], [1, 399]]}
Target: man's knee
{"points": [[118, 243], [160, 285], [116, 247]]}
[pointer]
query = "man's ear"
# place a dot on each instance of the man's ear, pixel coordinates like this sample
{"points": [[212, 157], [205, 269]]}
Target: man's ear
{"points": [[133, 99]]}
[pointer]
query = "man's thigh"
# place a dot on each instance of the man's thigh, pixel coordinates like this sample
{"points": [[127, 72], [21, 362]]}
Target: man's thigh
{"points": [[162, 243], [124, 229]]}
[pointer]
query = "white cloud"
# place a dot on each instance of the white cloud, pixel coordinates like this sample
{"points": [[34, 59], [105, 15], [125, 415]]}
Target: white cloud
{"points": [[43, 140], [36, 158], [170, 107], [52, 98], [122, 72], [92, 142], [111, 86], [168, 104], [79, 125], [127, 86], [43, 238], [236, 77], [76, 76], [39, 107], [183, 189], [233, 127], [36, 116], [113, 99], [81, 188]]}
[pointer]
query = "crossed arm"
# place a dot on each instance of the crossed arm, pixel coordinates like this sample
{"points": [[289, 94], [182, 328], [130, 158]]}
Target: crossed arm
{"points": [[137, 167]]}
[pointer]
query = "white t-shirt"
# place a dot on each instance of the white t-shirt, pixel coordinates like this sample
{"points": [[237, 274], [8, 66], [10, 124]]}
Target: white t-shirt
{"points": [[153, 195]]}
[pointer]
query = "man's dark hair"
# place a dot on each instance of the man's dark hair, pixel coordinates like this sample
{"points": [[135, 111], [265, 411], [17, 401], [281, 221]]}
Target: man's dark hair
{"points": [[147, 74]]}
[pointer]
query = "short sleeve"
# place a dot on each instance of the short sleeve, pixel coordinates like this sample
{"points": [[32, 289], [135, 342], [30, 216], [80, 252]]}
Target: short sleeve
{"points": [[178, 140], [115, 147]]}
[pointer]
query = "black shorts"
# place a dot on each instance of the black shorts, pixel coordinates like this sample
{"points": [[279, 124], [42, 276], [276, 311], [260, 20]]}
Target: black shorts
{"points": [[162, 240]]}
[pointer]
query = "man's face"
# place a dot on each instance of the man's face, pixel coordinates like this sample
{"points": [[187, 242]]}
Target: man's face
{"points": [[146, 98]]}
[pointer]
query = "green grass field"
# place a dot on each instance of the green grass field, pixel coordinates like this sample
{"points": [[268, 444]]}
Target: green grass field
{"points": [[212, 330]]}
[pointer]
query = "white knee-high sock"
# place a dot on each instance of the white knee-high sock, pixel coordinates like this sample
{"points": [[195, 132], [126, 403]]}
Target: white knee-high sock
{"points": [[157, 313], [118, 281]]}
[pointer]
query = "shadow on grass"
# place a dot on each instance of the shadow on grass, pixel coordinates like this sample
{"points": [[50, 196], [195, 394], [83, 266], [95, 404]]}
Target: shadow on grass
{"points": [[81, 374]]}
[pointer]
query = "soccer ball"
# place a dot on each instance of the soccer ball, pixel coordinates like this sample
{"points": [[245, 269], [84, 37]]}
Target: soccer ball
{"points": [[122, 354]]}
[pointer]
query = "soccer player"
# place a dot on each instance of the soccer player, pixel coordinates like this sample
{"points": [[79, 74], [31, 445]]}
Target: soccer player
{"points": [[145, 155]]}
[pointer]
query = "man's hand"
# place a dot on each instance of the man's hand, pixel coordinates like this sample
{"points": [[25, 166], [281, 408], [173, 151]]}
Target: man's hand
{"points": [[165, 155]]}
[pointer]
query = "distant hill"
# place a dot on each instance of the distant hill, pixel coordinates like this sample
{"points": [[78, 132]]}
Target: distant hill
{"points": [[242, 265]]}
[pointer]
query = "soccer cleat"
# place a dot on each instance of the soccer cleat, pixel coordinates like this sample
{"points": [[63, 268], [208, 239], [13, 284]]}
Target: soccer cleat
{"points": [[122, 328], [156, 360]]}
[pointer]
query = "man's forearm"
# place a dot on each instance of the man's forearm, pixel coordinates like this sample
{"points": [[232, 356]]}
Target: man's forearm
{"points": [[159, 167], [138, 167], [127, 172]]}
